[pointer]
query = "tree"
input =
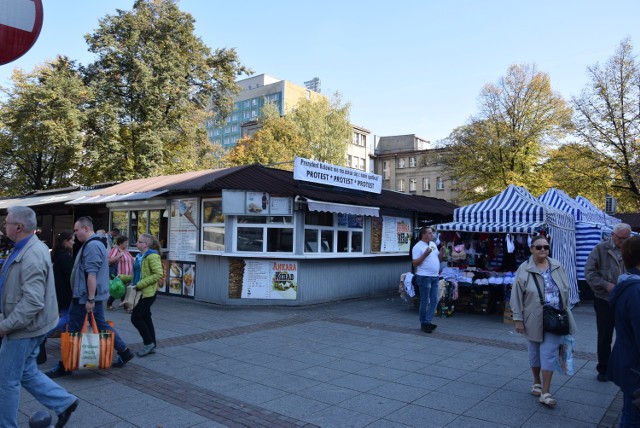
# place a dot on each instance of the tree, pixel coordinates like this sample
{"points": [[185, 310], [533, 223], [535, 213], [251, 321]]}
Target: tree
{"points": [[315, 129], [42, 122], [520, 117], [155, 82], [277, 141], [325, 128], [577, 170], [608, 120]]}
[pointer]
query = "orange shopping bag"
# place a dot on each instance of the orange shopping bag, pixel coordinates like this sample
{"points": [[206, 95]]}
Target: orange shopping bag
{"points": [[87, 350]]}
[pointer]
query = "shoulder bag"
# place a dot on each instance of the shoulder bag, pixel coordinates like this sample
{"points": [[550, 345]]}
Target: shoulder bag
{"points": [[554, 320]]}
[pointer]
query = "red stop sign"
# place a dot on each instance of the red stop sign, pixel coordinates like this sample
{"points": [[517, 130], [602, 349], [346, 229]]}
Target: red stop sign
{"points": [[20, 25]]}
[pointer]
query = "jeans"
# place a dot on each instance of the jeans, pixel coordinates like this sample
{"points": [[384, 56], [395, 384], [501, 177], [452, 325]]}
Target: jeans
{"points": [[141, 320], [18, 368], [605, 323], [77, 312], [428, 297]]}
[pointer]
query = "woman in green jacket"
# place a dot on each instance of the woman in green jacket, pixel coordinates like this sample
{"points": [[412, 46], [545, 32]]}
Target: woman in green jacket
{"points": [[147, 270]]}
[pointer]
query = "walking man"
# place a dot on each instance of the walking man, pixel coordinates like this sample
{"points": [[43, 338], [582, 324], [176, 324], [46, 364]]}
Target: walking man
{"points": [[425, 257], [90, 284], [29, 311], [602, 270]]}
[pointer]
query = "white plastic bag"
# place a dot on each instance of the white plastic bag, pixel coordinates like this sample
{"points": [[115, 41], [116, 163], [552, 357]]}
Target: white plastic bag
{"points": [[564, 364]]}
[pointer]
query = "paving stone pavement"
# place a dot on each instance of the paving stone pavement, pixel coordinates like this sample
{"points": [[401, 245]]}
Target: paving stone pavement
{"points": [[357, 363]]}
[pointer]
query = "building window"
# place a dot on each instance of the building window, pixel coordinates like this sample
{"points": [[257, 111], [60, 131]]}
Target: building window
{"points": [[247, 104], [332, 233], [212, 225], [133, 223], [402, 162], [349, 160], [254, 102], [412, 162], [413, 183], [386, 170], [254, 113], [264, 234], [439, 183], [454, 184], [401, 185], [426, 184]]}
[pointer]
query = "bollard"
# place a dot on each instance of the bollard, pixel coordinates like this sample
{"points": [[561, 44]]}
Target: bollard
{"points": [[40, 419]]}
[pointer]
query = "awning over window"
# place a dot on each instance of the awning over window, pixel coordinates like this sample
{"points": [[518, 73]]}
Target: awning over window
{"points": [[342, 208], [103, 199]]}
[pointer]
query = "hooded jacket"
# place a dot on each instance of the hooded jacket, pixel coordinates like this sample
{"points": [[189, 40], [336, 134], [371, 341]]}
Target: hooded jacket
{"points": [[624, 363]]}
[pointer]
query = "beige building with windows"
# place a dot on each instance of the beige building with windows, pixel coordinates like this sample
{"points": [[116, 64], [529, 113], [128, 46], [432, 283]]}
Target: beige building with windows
{"points": [[408, 164]]}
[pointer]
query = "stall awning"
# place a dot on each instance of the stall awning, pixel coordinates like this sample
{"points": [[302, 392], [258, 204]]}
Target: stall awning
{"points": [[490, 227], [333, 207], [103, 199]]}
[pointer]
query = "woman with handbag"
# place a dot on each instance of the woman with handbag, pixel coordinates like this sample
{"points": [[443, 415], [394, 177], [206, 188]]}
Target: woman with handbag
{"points": [[147, 270], [120, 263], [541, 282]]}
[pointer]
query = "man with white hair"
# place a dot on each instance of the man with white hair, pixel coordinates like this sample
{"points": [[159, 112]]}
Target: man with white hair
{"points": [[602, 270], [29, 311]]}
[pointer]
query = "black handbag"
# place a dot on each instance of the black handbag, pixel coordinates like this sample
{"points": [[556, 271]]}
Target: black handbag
{"points": [[554, 320]]}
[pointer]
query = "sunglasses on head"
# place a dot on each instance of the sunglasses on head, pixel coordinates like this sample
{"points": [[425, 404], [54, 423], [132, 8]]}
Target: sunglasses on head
{"points": [[541, 247]]}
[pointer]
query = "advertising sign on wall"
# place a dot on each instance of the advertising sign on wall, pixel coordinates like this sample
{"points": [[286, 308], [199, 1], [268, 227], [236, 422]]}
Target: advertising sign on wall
{"points": [[334, 175], [396, 234], [270, 279], [183, 229]]}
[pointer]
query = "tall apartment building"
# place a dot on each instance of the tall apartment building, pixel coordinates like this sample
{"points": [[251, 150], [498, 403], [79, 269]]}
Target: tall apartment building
{"points": [[408, 164], [247, 105], [261, 89]]}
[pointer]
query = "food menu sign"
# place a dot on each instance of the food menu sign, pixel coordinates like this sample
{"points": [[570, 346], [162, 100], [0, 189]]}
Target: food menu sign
{"points": [[182, 278], [396, 234], [274, 279], [183, 230]]}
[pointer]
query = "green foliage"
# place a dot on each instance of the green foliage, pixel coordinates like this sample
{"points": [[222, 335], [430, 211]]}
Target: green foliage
{"points": [[607, 119], [41, 128], [315, 129], [520, 117], [154, 82], [577, 170]]}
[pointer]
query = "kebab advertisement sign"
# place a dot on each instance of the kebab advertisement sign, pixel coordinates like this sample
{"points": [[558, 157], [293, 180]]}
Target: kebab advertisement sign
{"points": [[270, 279], [183, 230]]}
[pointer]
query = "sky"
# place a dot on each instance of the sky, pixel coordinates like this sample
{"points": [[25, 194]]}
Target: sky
{"points": [[405, 66]]}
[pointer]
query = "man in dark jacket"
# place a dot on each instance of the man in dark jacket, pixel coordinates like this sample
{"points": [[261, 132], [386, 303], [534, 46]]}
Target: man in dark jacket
{"points": [[624, 364], [602, 270]]}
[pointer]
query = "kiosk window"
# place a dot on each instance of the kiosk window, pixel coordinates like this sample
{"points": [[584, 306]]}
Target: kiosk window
{"points": [[333, 233], [264, 234], [212, 225]]}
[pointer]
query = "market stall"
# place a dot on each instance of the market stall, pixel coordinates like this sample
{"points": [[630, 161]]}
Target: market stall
{"points": [[591, 227], [516, 212]]}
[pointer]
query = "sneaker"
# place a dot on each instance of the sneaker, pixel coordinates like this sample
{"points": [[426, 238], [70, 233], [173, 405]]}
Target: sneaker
{"points": [[123, 358], [426, 328], [111, 308], [433, 326], [146, 350], [63, 417], [58, 371]]}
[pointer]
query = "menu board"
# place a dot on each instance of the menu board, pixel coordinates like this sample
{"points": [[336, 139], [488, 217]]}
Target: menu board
{"points": [[183, 229], [182, 278], [396, 234], [275, 279]]}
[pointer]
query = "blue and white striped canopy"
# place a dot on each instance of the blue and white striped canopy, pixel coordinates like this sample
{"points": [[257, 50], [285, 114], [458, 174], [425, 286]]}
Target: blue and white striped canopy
{"points": [[604, 217], [560, 200], [590, 224], [515, 210]]}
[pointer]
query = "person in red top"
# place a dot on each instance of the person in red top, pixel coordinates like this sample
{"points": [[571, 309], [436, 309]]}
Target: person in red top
{"points": [[120, 262]]}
